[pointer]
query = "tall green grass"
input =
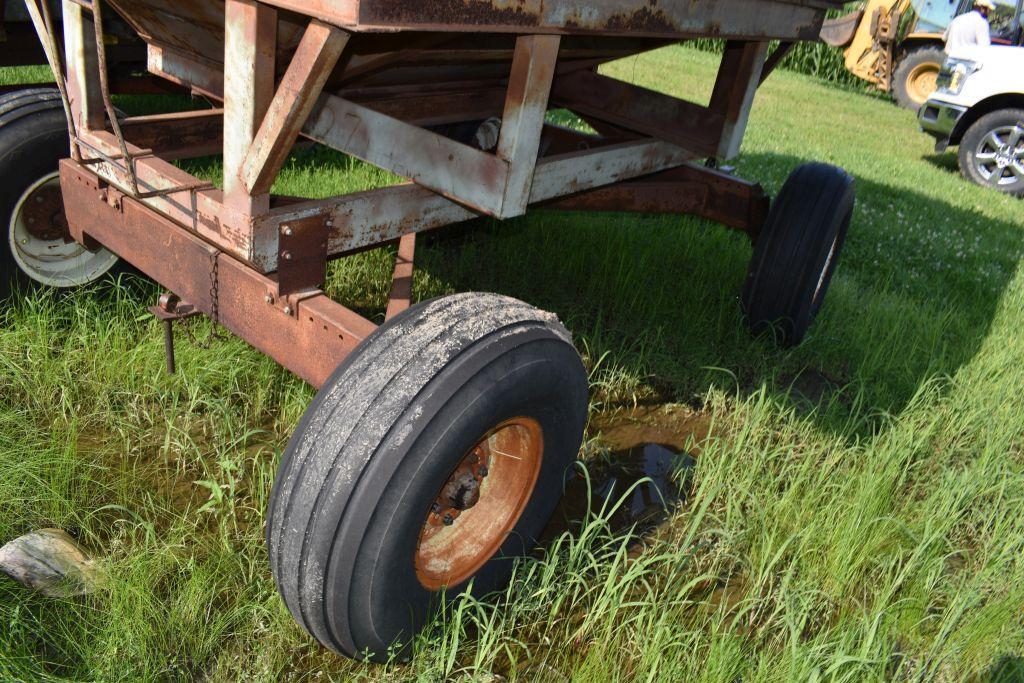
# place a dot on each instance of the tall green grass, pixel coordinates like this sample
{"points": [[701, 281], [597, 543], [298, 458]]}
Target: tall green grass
{"points": [[873, 533]]}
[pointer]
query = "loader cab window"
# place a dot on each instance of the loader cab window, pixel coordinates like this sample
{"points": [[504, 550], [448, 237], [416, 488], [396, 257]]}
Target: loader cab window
{"points": [[1005, 22]]}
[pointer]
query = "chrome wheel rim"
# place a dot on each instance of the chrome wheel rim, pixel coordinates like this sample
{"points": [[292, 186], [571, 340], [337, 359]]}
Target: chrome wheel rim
{"points": [[999, 157], [39, 241]]}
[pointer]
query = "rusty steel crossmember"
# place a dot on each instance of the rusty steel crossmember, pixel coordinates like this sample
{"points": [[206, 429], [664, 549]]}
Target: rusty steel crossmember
{"points": [[452, 96]]}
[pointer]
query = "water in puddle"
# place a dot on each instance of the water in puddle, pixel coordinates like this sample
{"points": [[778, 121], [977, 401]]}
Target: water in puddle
{"points": [[641, 486]]}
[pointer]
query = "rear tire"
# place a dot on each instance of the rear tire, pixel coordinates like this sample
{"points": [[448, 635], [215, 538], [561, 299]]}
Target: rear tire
{"points": [[914, 79], [356, 540], [797, 252], [34, 249], [996, 138]]}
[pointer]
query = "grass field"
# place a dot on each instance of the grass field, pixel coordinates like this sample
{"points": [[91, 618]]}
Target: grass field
{"points": [[855, 511]]}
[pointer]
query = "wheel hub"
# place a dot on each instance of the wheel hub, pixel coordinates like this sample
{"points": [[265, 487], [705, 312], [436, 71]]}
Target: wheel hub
{"points": [[43, 212], [479, 504]]}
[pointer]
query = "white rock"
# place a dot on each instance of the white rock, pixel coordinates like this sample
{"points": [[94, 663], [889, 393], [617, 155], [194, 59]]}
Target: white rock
{"points": [[50, 562]]}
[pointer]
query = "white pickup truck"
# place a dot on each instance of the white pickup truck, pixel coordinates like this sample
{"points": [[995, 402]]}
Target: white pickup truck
{"points": [[979, 105]]}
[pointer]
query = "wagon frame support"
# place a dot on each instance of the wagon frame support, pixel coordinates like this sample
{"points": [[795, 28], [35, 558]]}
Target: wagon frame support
{"points": [[288, 244]]}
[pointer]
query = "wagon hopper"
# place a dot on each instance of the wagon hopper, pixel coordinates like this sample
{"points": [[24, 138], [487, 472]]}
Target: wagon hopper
{"points": [[438, 444]]}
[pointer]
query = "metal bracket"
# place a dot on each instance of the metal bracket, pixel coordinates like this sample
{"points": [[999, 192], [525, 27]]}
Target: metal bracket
{"points": [[170, 309], [302, 254]]}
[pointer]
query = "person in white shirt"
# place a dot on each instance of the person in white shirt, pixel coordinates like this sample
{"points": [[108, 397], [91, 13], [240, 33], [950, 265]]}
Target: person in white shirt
{"points": [[970, 28]]}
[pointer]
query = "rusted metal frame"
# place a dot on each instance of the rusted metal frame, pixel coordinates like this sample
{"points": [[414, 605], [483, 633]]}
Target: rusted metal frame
{"points": [[378, 216], [400, 297], [457, 171], [644, 111], [529, 87], [172, 192], [688, 189], [296, 95], [307, 333], [42, 22], [250, 47], [179, 135], [672, 18], [775, 59], [733, 94]]}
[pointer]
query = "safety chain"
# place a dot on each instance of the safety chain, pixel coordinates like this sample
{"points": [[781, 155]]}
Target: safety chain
{"points": [[214, 335]]}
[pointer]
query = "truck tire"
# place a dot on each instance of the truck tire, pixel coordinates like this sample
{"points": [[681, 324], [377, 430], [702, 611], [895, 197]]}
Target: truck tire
{"points": [[35, 248], [992, 151], [430, 460], [913, 80], [797, 252]]}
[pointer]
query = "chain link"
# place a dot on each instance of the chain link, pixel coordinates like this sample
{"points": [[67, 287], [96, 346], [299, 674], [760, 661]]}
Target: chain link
{"points": [[214, 335]]}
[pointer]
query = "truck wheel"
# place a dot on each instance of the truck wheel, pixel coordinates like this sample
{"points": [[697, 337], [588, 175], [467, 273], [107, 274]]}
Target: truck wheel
{"points": [[913, 81], [433, 456], [36, 248], [797, 252], [992, 151]]}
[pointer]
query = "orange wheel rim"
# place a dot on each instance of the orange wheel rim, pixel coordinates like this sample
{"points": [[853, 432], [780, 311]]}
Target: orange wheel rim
{"points": [[479, 504], [922, 82]]}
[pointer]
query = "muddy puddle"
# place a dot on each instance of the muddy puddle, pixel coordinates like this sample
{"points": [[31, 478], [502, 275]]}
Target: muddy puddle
{"points": [[641, 473]]}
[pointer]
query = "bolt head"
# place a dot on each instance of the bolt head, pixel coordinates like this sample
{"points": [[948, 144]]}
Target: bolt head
{"points": [[482, 470], [286, 255], [269, 298], [287, 310], [448, 519], [25, 241], [286, 230], [330, 224]]}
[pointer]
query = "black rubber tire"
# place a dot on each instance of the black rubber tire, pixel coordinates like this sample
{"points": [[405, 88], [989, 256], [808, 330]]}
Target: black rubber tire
{"points": [[909, 62], [972, 139], [791, 269], [33, 139], [379, 440]]}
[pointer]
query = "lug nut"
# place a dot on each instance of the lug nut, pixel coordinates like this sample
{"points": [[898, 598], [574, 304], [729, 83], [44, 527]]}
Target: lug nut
{"points": [[435, 508], [482, 470], [448, 519]]}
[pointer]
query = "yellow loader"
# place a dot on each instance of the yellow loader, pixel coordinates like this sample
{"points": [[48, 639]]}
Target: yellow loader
{"points": [[898, 44]]}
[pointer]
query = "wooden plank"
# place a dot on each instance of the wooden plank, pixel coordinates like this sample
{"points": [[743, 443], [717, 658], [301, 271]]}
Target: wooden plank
{"points": [[565, 174], [296, 95], [733, 95], [529, 86], [82, 66], [249, 55], [457, 171], [640, 110]]}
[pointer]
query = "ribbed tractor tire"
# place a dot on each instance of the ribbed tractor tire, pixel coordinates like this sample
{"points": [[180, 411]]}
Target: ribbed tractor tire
{"points": [[913, 79], [357, 544], [33, 139], [797, 252]]}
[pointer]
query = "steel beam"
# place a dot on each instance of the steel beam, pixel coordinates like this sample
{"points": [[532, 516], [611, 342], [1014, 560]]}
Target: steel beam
{"points": [[307, 333]]}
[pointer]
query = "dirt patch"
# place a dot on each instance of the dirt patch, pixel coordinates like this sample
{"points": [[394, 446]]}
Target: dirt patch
{"points": [[675, 426]]}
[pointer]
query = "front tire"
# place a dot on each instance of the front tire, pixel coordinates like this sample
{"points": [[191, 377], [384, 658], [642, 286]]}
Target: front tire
{"points": [[36, 248], [914, 79], [991, 152], [797, 252], [381, 512]]}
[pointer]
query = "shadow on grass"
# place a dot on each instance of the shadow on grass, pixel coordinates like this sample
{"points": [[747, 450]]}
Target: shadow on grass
{"points": [[656, 298]]}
